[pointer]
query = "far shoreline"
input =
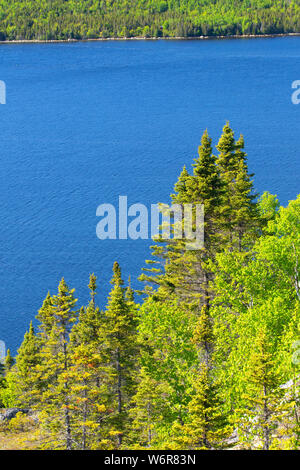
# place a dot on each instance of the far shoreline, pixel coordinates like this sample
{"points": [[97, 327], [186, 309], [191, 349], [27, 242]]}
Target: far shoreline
{"points": [[135, 38]]}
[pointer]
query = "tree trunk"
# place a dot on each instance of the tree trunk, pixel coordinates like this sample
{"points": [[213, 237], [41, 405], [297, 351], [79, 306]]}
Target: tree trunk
{"points": [[67, 413], [266, 431], [85, 412], [119, 391]]}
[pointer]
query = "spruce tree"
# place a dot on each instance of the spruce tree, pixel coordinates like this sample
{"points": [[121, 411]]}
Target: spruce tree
{"points": [[185, 271], [45, 317], [181, 188], [129, 294], [93, 287], [207, 425], [120, 342], [89, 377], [28, 357], [148, 410], [227, 162], [264, 409], [8, 361], [241, 215], [53, 373], [89, 320], [89, 398]]}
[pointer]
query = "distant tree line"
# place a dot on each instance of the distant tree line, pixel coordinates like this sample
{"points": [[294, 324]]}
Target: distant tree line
{"points": [[88, 19], [208, 359]]}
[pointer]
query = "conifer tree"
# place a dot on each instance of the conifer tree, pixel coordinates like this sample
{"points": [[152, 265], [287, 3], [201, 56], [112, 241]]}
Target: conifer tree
{"points": [[27, 359], [45, 317], [168, 356], [182, 194], [227, 162], [89, 319], [188, 273], [185, 272], [218, 344], [264, 408], [93, 287], [54, 369], [88, 374], [203, 336], [8, 362], [148, 411], [231, 221], [205, 187], [207, 425], [120, 342], [239, 206], [7, 382], [89, 401]]}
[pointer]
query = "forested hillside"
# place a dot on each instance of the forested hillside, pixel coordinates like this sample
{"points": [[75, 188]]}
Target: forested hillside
{"points": [[209, 359], [83, 19]]}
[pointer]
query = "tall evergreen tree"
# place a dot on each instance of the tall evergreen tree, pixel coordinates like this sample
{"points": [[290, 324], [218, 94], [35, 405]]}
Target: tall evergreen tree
{"points": [[89, 377], [207, 425], [28, 357], [129, 294], [93, 287], [239, 206], [149, 408], [45, 318], [181, 188], [55, 365], [8, 361], [120, 342], [264, 407], [185, 271]]}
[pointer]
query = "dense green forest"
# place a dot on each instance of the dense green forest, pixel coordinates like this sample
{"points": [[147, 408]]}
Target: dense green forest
{"points": [[90, 19], [207, 357]]}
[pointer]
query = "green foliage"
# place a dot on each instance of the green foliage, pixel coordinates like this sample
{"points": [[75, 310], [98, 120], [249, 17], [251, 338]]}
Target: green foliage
{"points": [[256, 323], [209, 360], [268, 206], [264, 408], [149, 412], [223, 186], [51, 374], [207, 426], [8, 361], [166, 331], [90, 19], [121, 346], [27, 359]]}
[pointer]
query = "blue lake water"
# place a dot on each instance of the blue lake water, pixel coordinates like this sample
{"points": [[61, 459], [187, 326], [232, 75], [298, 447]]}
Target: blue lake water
{"points": [[87, 122]]}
